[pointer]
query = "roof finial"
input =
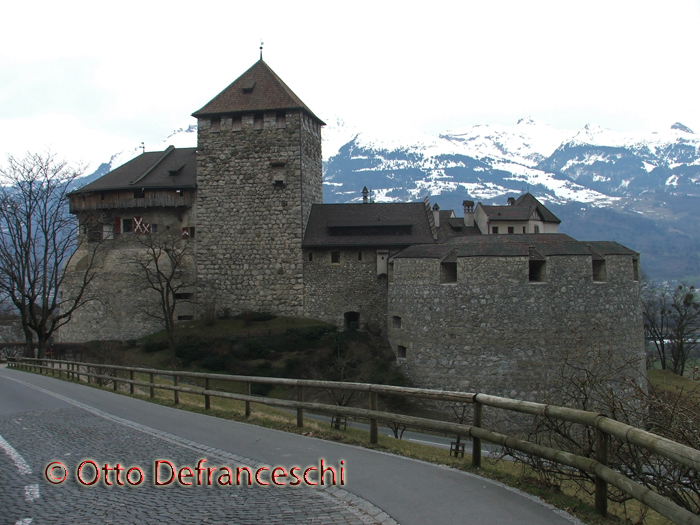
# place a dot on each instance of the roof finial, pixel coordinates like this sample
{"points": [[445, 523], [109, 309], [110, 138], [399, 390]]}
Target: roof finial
{"points": [[261, 46]]}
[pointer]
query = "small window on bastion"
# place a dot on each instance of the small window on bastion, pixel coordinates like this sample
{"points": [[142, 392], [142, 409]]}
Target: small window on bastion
{"points": [[335, 257], [311, 256], [538, 271], [396, 321], [448, 272], [401, 352], [599, 273]]}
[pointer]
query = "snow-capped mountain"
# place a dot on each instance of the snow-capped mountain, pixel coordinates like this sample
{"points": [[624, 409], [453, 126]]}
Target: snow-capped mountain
{"points": [[639, 189]]}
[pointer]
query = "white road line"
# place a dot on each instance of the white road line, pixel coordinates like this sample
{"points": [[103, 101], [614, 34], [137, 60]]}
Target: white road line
{"points": [[15, 456], [429, 443], [31, 492], [24, 521]]}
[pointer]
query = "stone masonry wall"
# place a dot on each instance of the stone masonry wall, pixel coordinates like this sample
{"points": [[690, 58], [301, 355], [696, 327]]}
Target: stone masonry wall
{"points": [[249, 227], [122, 300], [353, 285], [495, 332]]}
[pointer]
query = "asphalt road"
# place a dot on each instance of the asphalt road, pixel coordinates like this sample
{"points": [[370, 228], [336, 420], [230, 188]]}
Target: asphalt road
{"points": [[43, 420]]}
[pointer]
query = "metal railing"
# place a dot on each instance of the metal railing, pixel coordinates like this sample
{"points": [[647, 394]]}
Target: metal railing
{"points": [[604, 426]]}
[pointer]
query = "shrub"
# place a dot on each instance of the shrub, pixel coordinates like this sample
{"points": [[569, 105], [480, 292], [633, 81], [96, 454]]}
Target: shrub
{"points": [[151, 347], [215, 363]]}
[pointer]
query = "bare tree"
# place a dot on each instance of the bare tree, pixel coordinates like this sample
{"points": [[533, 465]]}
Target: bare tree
{"points": [[38, 238], [165, 264], [672, 323]]}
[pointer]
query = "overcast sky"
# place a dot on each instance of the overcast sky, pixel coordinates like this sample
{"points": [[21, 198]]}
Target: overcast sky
{"points": [[88, 79]]}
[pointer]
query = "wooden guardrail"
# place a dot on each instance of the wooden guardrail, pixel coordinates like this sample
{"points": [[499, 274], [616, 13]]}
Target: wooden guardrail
{"points": [[605, 427]]}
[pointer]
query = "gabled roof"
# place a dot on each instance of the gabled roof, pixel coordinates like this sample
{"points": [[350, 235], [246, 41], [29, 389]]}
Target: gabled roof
{"points": [[375, 224], [172, 168], [521, 210], [258, 89]]}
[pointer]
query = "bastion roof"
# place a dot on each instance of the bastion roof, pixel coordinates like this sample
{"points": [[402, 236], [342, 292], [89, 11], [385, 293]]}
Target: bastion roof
{"points": [[258, 89], [514, 245], [170, 169]]}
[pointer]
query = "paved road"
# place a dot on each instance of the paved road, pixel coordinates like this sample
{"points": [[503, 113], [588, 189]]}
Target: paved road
{"points": [[43, 420]]}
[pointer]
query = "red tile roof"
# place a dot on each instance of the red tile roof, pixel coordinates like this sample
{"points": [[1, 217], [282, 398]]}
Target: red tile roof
{"points": [[258, 89]]}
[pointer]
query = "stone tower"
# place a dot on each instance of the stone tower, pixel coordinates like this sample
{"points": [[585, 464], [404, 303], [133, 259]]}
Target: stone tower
{"points": [[258, 173]]}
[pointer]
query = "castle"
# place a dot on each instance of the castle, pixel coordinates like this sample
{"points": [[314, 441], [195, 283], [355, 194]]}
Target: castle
{"points": [[466, 302]]}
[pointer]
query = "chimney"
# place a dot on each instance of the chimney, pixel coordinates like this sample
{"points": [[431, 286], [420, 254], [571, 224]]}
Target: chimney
{"points": [[436, 215], [468, 213], [511, 201], [365, 194]]}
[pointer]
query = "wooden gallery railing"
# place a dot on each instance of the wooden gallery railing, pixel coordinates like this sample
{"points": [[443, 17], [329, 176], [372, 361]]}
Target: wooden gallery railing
{"points": [[605, 427]]}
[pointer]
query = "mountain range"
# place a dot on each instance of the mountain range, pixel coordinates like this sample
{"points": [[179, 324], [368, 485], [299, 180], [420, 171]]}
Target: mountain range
{"points": [[637, 189]]}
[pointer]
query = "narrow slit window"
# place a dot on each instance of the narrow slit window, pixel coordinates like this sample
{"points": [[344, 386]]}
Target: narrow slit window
{"points": [[311, 257], [184, 296], [359, 256], [635, 269], [401, 352], [335, 257]]}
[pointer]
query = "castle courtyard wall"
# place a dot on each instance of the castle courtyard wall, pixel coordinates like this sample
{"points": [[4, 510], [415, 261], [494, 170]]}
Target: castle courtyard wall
{"points": [[494, 331]]}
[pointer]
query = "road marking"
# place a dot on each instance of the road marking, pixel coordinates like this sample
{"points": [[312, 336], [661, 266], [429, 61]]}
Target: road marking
{"points": [[15, 456], [31, 492], [429, 442], [24, 521]]}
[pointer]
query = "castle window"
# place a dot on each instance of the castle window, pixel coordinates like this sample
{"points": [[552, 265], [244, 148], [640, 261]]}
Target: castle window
{"points": [[511, 229], [216, 124], [396, 321], [184, 296], [154, 228], [352, 320], [494, 229], [401, 352], [524, 229], [237, 123], [188, 232], [140, 194], [335, 257], [359, 256], [281, 119], [635, 269], [599, 273], [390, 272], [538, 271], [127, 225], [185, 317], [258, 121], [108, 231], [448, 272], [102, 196], [537, 229], [311, 257]]}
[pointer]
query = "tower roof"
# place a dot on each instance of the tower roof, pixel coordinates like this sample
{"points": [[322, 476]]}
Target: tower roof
{"points": [[258, 89]]}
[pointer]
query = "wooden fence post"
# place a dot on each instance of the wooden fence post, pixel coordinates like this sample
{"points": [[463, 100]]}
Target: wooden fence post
{"points": [[247, 403], [207, 398], [373, 430], [60, 369], [601, 486], [176, 382], [300, 411], [476, 442], [152, 381], [53, 366], [114, 381], [131, 385]]}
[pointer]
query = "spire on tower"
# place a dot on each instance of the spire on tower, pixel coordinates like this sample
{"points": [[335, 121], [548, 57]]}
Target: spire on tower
{"points": [[261, 46]]}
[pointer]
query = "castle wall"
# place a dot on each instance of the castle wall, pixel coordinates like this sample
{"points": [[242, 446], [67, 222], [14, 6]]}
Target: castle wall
{"points": [[255, 188], [122, 300], [352, 285], [495, 332]]}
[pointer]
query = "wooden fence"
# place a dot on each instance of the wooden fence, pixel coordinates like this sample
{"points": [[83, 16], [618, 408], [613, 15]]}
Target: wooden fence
{"points": [[604, 426]]}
